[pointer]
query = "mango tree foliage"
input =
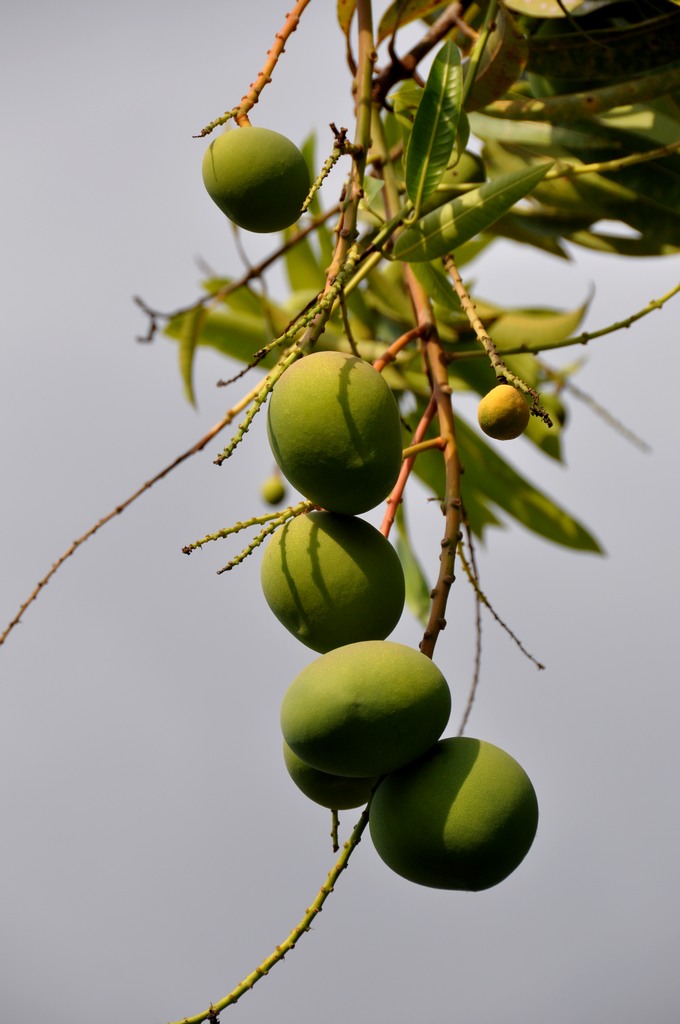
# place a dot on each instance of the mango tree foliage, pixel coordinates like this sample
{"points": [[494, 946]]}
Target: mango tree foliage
{"points": [[552, 125]]}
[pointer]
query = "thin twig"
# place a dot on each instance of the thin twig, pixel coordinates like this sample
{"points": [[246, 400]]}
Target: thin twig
{"points": [[473, 573], [291, 941], [563, 169], [240, 113], [390, 354], [589, 103], [397, 494], [473, 578], [402, 68], [585, 336], [155, 316], [500, 369], [199, 446]]}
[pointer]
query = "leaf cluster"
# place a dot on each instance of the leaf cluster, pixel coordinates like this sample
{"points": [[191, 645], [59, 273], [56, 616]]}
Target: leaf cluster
{"points": [[553, 125]]}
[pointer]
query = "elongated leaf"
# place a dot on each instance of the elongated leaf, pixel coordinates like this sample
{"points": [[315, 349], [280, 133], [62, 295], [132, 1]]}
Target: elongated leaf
{"points": [[590, 102], [234, 334], [435, 126], [616, 52], [656, 123], [303, 269], [548, 439], [540, 233], [443, 230], [346, 9], [403, 12], [488, 478], [649, 245], [188, 337], [532, 327], [417, 588], [308, 150], [488, 472], [553, 9], [439, 287], [503, 61], [538, 134]]}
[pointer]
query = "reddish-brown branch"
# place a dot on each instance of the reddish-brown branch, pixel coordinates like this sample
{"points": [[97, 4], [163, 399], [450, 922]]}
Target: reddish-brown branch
{"points": [[265, 76], [404, 67], [441, 394], [391, 353], [397, 494]]}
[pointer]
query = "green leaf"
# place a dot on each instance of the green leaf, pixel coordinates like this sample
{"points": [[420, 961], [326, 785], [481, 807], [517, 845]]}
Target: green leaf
{"points": [[488, 473], [532, 327], [443, 230], [439, 287], [429, 468], [234, 333], [346, 9], [502, 63], [417, 587], [539, 135], [656, 123], [602, 55], [488, 480], [548, 439], [308, 150], [303, 269], [435, 127], [540, 232], [648, 245], [551, 8], [188, 336], [403, 12], [405, 103]]}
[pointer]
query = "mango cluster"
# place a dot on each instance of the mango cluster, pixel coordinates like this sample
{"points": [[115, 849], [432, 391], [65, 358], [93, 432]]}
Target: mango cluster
{"points": [[365, 719]]}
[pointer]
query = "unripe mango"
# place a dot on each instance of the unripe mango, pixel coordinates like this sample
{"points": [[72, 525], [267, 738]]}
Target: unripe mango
{"points": [[332, 580], [462, 816], [335, 432], [257, 177], [468, 168], [273, 489], [337, 792], [503, 413], [365, 709]]}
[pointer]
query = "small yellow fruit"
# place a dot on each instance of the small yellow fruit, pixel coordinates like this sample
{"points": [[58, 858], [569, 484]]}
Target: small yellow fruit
{"points": [[365, 709], [337, 792], [335, 432], [463, 816], [503, 413], [332, 580], [273, 490], [257, 177]]}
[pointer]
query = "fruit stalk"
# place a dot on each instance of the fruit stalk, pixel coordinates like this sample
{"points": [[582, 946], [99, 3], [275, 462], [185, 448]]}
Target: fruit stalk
{"points": [[298, 931], [499, 367], [240, 113]]}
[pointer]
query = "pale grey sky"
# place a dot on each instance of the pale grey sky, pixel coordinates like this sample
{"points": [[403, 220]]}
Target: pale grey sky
{"points": [[154, 850]]}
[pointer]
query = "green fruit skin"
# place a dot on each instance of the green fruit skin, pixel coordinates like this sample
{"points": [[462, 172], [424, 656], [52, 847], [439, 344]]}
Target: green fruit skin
{"points": [[503, 413], [273, 490], [463, 816], [335, 432], [337, 792], [332, 580], [365, 709], [468, 169], [257, 177]]}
